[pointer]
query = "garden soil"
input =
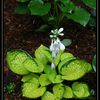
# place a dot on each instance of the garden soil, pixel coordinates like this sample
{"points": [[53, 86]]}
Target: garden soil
{"points": [[19, 34]]}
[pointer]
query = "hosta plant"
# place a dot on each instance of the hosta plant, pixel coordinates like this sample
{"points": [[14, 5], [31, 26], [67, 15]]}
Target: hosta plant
{"points": [[46, 73]]}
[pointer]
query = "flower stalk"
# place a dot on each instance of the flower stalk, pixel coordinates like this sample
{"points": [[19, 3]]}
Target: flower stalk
{"points": [[56, 44]]}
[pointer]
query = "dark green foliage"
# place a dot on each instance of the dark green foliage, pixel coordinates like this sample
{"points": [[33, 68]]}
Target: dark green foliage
{"points": [[9, 88], [54, 13], [90, 3], [94, 62]]}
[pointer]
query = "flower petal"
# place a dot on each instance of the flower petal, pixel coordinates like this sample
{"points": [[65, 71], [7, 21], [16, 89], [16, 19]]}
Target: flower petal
{"points": [[52, 31], [62, 47], [51, 47], [53, 54], [51, 36], [62, 34], [60, 30]]}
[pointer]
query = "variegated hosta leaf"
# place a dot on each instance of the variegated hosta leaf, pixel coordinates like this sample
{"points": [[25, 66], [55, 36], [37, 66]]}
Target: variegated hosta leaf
{"points": [[65, 62], [68, 93], [49, 96], [30, 90], [58, 79], [43, 54], [31, 78], [53, 77], [80, 90], [43, 80], [66, 55], [73, 69], [58, 90], [15, 60], [33, 65]]}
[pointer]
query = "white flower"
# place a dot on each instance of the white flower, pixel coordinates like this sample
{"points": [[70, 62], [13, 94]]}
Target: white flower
{"points": [[56, 44], [51, 46], [51, 36], [62, 34], [60, 30], [62, 47], [54, 31], [53, 54]]}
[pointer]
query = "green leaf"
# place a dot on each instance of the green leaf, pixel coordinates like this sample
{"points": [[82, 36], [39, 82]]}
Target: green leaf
{"points": [[80, 16], [22, 10], [66, 42], [66, 55], [15, 60], [52, 75], [58, 90], [90, 3], [31, 78], [43, 55], [65, 2], [43, 80], [80, 90], [33, 65], [38, 8], [94, 62], [58, 79], [22, 0], [49, 96], [42, 28], [58, 57], [68, 6], [92, 23], [47, 69], [51, 18], [74, 70], [64, 62], [29, 90], [68, 93]]}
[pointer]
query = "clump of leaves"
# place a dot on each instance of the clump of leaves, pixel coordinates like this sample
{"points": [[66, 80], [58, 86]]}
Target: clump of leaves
{"points": [[37, 74], [9, 88], [54, 12]]}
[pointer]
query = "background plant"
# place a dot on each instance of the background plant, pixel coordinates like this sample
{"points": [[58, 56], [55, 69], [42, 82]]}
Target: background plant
{"points": [[10, 88], [94, 62], [54, 13]]}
